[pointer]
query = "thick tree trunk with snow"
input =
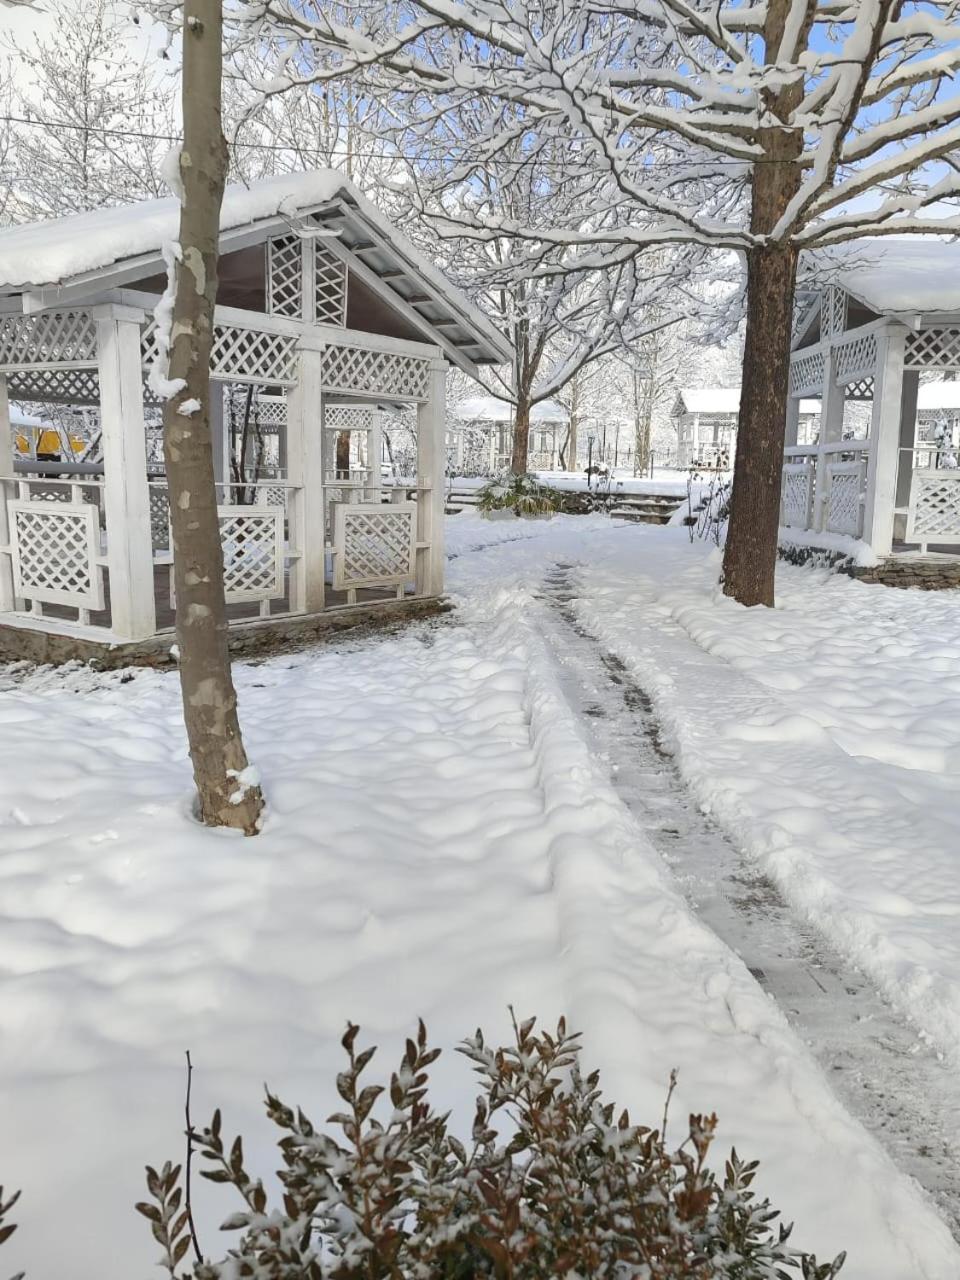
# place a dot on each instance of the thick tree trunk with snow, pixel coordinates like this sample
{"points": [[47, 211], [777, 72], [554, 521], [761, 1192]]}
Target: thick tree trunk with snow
{"points": [[521, 436], [228, 797], [750, 556], [750, 559]]}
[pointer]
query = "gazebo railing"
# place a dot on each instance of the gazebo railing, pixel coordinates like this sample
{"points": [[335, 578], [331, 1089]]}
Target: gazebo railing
{"points": [[824, 487]]}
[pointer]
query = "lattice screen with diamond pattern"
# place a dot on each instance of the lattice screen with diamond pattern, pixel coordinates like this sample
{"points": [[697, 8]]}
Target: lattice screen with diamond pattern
{"points": [[252, 539], [379, 372], [253, 564], [55, 549], [844, 512], [48, 338], [373, 545], [934, 514], [285, 277], [797, 498], [330, 285]]}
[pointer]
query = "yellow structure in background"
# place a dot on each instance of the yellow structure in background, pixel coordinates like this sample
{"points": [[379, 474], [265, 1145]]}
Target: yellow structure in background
{"points": [[48, 441]]}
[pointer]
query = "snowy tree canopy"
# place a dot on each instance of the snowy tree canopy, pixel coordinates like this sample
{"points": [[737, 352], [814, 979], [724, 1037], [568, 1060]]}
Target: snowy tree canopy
{"points": [[666, 108]]}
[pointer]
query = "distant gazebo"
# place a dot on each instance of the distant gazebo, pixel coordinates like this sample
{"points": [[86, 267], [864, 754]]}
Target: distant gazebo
{"points": [[326, 319], [705, 420], [480, 436], [882, 323]]}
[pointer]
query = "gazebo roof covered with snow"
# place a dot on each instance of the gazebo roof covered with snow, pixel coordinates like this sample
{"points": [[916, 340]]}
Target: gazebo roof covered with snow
{"points": [[325, 315], [877, 316]]}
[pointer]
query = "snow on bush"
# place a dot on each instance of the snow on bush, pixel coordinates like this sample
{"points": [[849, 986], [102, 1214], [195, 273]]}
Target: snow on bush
{"points": [[576, 1191]]}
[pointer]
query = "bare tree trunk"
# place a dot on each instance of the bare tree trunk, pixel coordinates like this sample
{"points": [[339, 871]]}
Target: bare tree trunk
{"points": [[574, 424], [750, 556], [343, 455], [228, 794], [521, 436]]}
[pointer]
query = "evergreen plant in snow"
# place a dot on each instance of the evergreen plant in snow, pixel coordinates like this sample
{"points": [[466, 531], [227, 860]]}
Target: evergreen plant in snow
{"points": [[552, 1183]]}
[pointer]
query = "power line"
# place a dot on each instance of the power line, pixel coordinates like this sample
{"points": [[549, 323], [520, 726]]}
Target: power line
{"points": [[38, 123]]}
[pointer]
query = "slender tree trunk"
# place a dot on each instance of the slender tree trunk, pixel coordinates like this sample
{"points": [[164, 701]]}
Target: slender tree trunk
{"points": [[521, 436], [228, 794]]}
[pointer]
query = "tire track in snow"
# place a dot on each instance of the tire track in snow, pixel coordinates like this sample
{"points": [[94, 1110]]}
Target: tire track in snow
{"points": [[895, 1084]]}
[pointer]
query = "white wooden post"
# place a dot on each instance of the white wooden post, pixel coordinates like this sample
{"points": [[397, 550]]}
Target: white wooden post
{"points": [[305, 468], [884, 440], [219, 439], [792, 429], [694, 440], [126, 496], [7, 600], [494, 433], [375, 457], [431, 462], [832, 401]]}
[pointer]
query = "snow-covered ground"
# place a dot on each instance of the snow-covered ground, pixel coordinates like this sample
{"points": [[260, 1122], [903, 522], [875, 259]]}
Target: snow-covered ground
{"points": [[441, 842]]}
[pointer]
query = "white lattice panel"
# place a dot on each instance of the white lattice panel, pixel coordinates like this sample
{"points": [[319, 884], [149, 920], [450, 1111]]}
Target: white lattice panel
{"points": [[50, 337], [833, 311], [252, 539], [243, 355], [285, 277], [856, 359], [796, 503], [380, 372], [159, 516], [934, 513], [373, 545], [55, 386], [55, 550], [806, 373], [330, 278], [862, 389], [844, 513], [271, 495], [348, 417], [933, 349], [271, 413]]}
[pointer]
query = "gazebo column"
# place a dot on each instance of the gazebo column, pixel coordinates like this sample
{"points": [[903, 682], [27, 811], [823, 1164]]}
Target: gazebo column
{"points": [[906, 457], [375, 457], [885, 440], [832, 401], [792, 429], [305, 469], [7, 599], [431, 466], [126, 496]]}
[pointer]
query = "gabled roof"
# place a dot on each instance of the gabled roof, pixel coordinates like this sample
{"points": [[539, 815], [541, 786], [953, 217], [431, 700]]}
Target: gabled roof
{"points": [[492, 409], [108, 248]]}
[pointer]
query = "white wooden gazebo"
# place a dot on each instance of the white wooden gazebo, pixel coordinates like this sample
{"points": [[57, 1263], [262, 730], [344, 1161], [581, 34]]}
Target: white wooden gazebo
{"points": [[884, 322], [480, 436], [326, 318], [705, 420]]}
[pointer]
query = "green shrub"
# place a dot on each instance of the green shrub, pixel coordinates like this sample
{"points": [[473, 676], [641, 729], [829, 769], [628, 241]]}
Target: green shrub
{"points": [[521, 494], [569, 1190]]}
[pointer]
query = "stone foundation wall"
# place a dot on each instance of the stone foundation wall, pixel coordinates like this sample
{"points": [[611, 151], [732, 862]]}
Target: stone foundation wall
{"points": [[923, 572], [248, 640]]}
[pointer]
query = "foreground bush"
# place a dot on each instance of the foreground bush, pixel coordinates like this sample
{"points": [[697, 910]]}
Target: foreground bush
{"points": [[571, 1192]]}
